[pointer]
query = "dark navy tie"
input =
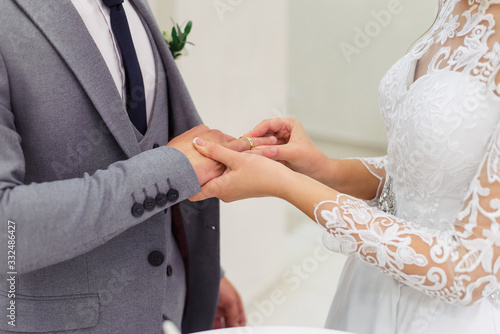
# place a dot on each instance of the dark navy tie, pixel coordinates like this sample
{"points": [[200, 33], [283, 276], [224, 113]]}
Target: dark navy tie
{"points": [[136, 98]]}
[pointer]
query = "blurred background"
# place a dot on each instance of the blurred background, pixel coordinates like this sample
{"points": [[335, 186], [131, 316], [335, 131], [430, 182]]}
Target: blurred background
{"points": [[320, 61]]}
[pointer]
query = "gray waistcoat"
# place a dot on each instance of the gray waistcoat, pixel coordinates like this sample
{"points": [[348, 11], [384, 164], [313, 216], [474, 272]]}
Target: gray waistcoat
{"points": [[157, 135]]}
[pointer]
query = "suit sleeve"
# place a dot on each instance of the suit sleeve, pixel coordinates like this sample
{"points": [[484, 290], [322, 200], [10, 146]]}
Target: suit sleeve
{"points": [[57, 221]]}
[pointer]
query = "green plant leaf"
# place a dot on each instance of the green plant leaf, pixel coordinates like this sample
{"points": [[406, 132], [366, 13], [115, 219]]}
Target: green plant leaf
{"points": [[174, 35], [189, 26], [177, 39]]}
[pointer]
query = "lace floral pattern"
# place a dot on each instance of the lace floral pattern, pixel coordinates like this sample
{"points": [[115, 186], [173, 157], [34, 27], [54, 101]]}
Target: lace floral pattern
{"points": [[376, 166], [443, 164]]}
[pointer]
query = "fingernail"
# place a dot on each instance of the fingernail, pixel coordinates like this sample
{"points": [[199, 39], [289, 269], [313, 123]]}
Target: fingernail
{"points": [[274, 140], [199, 142], [274, 150]]}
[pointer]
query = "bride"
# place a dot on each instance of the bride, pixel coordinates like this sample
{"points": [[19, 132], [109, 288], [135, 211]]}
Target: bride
{"points": [[427, 260]]}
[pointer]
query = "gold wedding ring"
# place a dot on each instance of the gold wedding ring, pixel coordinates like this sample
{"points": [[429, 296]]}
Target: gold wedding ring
{"points": [[250, 141]]}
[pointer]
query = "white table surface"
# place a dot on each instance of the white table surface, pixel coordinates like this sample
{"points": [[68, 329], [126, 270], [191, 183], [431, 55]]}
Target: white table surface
{"points": [[273, 330]]}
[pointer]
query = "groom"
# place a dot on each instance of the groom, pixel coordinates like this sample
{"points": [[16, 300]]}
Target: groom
{"points": [[101, 239]]}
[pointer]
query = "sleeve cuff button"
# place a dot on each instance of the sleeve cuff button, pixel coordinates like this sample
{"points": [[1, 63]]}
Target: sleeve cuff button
{"points": [[137, 210], [149, 204], [173, 195]]}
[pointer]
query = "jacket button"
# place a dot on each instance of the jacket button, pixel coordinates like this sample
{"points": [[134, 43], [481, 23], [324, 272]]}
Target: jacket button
{"points": [[156, 145], [137, 210], [149, 204], [170, 271], [156, 258], [173, 195], [161, 200]]}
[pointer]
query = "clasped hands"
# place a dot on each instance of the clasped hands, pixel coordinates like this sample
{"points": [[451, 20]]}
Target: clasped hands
{"points": [[229, 170]]}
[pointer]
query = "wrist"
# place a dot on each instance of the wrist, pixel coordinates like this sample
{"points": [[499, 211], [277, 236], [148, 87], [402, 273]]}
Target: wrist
{"points": [[329, 172], [318, 163], [289, 183], [304, 192]]}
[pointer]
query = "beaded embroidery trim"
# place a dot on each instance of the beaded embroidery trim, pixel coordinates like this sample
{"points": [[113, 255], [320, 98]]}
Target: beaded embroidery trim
{"points": [[387, 202]]}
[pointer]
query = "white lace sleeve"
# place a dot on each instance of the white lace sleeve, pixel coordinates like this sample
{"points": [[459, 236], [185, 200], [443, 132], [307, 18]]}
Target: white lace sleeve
{"points": [[458, 266], [376, 166]]}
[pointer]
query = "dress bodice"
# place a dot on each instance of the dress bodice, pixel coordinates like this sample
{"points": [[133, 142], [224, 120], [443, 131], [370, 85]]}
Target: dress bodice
{"points": [[439, 125]]}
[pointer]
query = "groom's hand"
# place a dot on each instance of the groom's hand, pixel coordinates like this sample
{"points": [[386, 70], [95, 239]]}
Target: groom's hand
{"points": [[206, 169], [230, 311]]}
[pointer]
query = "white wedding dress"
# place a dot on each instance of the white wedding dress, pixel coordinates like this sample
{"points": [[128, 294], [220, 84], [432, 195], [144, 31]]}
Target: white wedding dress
{"points": [[428, 259]]}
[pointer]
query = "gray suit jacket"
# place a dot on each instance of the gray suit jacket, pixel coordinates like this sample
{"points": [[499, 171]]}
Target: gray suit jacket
{"points": [[71, 169]]}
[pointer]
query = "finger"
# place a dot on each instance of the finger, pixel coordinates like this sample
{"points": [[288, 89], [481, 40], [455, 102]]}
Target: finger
{"points": [[218, 319], [240, 145], [201, 196], [232, 313], [285, 152], [272, 126], [243, 319], [216, 152], [248, 143], [261, 130], [215, 136], [270, 152], [227, 138], [209, 190], [264, 141]]}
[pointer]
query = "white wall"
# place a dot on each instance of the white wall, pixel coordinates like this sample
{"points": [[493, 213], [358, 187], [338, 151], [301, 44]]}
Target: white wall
{"points": [[334, 69]]}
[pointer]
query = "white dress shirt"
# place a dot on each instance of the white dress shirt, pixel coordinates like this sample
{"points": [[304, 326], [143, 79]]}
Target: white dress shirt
{"points": [[95, 15]]}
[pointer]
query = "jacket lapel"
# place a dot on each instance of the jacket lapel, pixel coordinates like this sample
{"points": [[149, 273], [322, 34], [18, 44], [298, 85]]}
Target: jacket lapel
{"points": [[66, 31]]}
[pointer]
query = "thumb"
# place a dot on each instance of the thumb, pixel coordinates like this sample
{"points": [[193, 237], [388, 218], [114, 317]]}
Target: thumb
{"points": [[270, 152], [202, 195], [284, 152], [215, 152]]}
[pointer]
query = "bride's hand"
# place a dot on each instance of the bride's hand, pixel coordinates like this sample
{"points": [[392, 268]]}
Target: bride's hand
{"points": [[247, 175], [295, 149]]}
